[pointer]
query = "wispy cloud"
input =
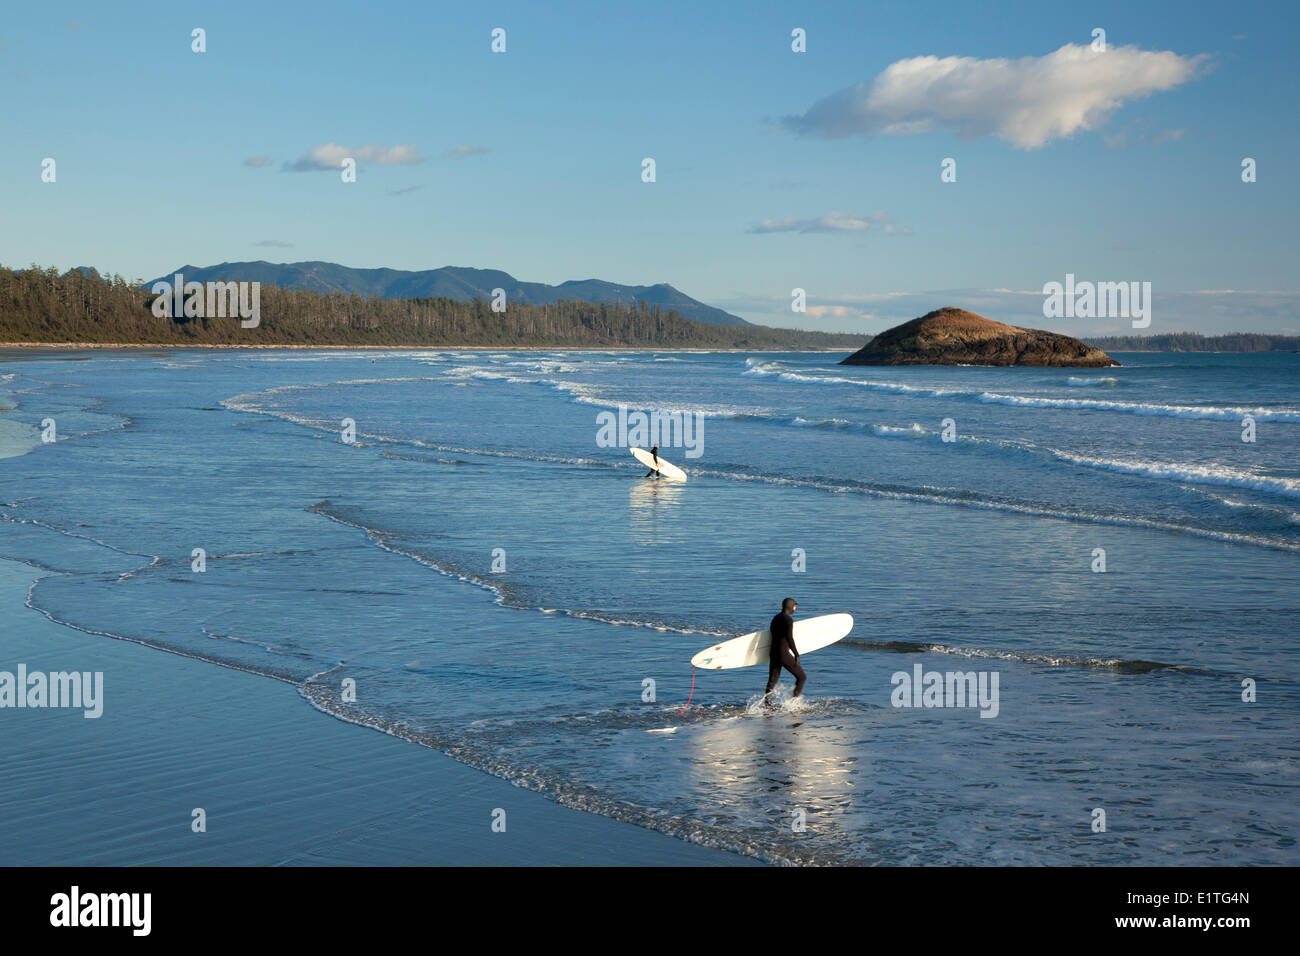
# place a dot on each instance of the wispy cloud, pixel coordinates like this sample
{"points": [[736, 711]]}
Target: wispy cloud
{"points": [[331, 156], [274, 244], [1026, 102], [257, 162], [831, 222], [465, 151], [1139, 131], [851, 313], [404, 190]]}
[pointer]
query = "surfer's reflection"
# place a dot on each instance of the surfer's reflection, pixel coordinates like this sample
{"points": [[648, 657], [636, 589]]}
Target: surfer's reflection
{"points": [[652, 508], [804, 756]]}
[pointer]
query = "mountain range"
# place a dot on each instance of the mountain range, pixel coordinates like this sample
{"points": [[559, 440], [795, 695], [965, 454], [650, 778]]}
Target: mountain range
{"points": [[450, 282]]}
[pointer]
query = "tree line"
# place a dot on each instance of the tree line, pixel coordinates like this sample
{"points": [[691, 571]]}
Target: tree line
{"points": [[42, 305], [1195, 342]]}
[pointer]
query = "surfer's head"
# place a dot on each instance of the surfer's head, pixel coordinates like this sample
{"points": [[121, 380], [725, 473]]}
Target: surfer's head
{"points": [[788, 605]]}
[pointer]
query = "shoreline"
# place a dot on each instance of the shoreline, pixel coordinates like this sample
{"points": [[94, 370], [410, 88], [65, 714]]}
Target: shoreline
{"points": [[95, 346], [175, 735], [20, 347]]}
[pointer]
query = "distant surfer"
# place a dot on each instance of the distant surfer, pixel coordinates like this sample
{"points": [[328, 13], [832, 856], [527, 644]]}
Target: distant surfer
{"points": [[784, 653], [654, 453]]}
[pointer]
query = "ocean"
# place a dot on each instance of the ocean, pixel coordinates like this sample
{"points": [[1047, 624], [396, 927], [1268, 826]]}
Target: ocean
{"points": [[444, 545]]}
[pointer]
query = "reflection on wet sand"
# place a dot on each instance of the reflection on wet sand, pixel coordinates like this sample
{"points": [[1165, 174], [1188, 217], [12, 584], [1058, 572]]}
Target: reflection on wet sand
{"points": [[653, 512], [784, 768]]}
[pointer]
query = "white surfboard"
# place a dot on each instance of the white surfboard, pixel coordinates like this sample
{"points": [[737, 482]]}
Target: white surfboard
{"points": [[810, 634], [665, 468]]}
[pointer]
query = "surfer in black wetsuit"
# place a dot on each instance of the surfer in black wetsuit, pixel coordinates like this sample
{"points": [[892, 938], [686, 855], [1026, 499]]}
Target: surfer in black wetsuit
{"points": [[784, 653], [654, 453]]}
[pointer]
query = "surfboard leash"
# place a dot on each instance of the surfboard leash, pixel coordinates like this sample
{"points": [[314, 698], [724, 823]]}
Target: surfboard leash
{"points": [[688, 699]]}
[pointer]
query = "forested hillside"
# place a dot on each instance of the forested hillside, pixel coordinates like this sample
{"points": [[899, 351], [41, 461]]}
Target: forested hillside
{"points": [[1195, 342], [41, 305]]}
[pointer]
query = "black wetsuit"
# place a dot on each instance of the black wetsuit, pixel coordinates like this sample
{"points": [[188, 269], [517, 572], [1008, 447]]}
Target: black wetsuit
{"points": [[784, 654], [654, 453]]}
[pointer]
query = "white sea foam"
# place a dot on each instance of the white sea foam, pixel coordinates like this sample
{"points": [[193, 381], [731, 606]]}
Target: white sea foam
{"points": [[914, 431], [937, 496], [1196, 474], [1084, 382], [924, 495], [1211, 412]]}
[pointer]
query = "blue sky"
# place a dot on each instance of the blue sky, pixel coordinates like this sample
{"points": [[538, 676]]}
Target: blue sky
{"points": [[530, 161]]}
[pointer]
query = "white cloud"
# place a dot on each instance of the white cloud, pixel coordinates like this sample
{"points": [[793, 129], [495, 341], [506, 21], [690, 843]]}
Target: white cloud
{"points": [[831, 222], [465, 151], [1139, 131], [836, 312], [1026, 102], [331, 156]]}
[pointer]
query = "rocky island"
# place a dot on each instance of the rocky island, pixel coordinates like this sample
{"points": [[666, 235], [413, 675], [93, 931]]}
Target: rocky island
{"points": [[951, 336]]}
